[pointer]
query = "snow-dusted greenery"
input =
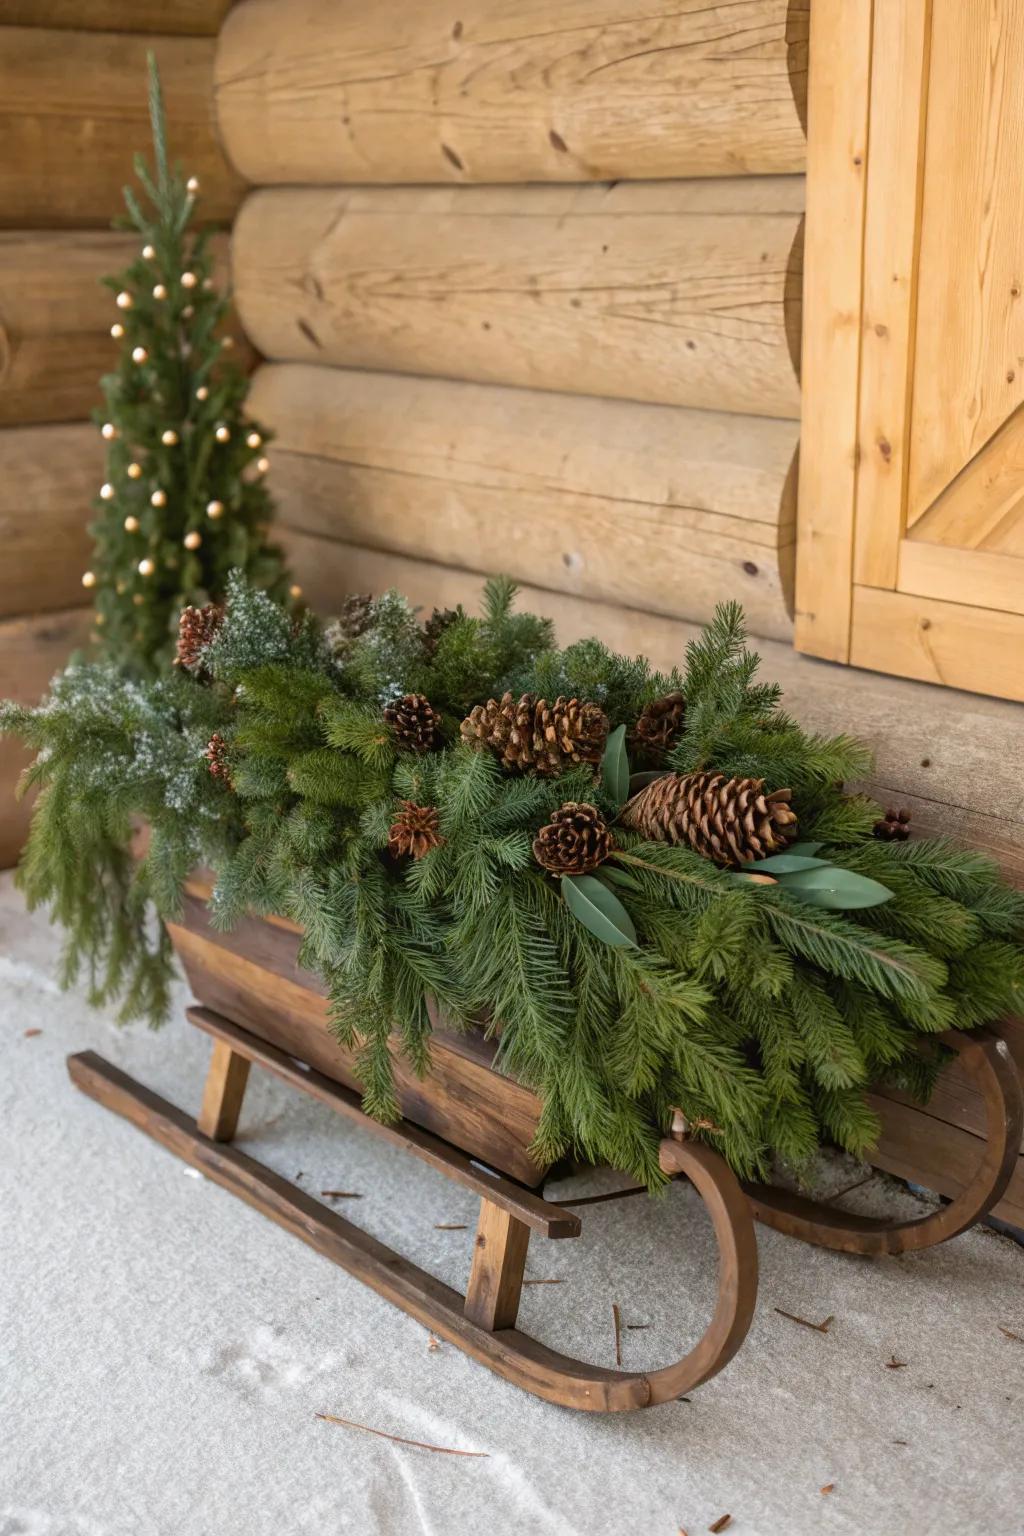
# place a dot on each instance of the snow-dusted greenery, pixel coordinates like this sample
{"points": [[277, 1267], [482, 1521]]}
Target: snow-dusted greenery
{"points": [[763, 1017]]}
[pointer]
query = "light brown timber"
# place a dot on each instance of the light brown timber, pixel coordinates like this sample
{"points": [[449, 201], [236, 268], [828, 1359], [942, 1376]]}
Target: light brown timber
{"points": [[682, 293], [223, 1093], [403, 91], [190, 18], [49, 477], [496, 1274], [648, 505]]}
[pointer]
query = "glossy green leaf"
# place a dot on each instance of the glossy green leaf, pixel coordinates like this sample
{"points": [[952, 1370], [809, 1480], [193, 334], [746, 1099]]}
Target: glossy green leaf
{"points": [[789, 863], [640, 780], [599, 910], [615, 767], [806, 848], [839, 889]]}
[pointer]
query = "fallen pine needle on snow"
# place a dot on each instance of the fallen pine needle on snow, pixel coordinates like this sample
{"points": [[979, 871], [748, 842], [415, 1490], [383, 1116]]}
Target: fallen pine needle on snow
{"points": [[339, 1194], [806, 1322], [544, 1282], [419, 1445], [433, 1343], [617, 1321], [449, 1226], [1010, 1333], [30, 1034], [828, 1488], [720, 1524], [892, 1364]]}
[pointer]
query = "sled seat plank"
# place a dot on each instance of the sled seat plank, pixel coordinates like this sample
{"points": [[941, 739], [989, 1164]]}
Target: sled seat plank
{"points": [[530, 1209]]}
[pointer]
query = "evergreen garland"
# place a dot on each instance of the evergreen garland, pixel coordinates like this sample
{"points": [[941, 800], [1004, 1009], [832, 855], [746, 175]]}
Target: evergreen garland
{"points": [[660, 980]]}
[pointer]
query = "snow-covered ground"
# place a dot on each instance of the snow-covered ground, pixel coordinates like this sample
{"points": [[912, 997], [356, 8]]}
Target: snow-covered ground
{"points": [[164, 1351]]}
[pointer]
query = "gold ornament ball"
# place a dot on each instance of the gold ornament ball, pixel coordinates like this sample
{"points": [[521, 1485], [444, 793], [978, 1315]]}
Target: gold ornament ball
{"points": [[228, 343], [106, 491], [254, 440], [88, 578], [222, 434], [148, 252], [188, 279], [262, 465], [131, 524], [169, 438], [158, 499], [208, 285], [117, 330], [124, 300], [108, 430], [134, 471], [187, 312], [202, 393], [146, 567], [138, 600], [192, 185], [192, 540], [139, 355], [160, 291], [294, 590], [215, 509]]}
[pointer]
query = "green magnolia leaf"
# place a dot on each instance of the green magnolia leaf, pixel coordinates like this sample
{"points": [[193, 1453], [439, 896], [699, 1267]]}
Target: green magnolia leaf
{"points": [[615, 766], [839, 889], [618, 877], [599, 910], [789, 863], [804, 848], [640, 780]]}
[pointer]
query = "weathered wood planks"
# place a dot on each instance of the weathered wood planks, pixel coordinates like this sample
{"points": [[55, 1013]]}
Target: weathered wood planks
{"points": [[651, 506], [50, 476], [684, 293], [55, 318], [74, 113], [191, 18], [403, 91]]}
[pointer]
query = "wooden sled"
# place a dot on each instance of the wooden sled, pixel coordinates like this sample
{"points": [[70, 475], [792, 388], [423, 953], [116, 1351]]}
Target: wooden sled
{"points": [[470, 1122]]}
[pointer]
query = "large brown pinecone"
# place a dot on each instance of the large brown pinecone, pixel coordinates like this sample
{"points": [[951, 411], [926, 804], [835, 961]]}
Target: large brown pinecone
{"points": [[731, 821], [530, 735], [414, 722], [660, 725], [196, 628], [414, 831], [575, 840], [434, 627]]}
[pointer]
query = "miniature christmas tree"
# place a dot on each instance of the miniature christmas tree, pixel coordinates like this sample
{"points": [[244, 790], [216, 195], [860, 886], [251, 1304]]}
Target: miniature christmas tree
{"points": [[184, 501]]}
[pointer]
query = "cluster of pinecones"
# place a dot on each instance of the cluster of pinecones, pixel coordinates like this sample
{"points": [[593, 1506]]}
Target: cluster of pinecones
{"points": [[529, 735], [196, 628]]}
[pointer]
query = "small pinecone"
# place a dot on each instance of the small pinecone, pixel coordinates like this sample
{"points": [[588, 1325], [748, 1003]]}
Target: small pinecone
{"points": [[196, 628], [414, 831], [440, 620], [731, 821], [353, 620], [414, 722], [575, 840], [530, 735], [893, 828], [217, 756], [660, 725]]}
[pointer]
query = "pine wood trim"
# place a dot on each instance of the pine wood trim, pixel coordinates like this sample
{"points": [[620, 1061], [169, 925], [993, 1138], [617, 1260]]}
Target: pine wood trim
{"points": [[983, 579], [838, 105], [980, 649], [899, 91]]}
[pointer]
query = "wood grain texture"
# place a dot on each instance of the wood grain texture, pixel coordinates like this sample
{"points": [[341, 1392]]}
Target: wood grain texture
{"points": [[837, 119], [981, 578], [951, 757], [983, 507], [226, 1078], [899, 73], [73, 112], [31, 651], [684, 293], [969, 357], [190, 18], [496, 1276], [400, 91], [48, 479], [939, 642], [55, 320], [647, 505], [251, 976]]}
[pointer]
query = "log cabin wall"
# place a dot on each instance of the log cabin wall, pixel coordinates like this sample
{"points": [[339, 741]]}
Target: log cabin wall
{"points": [[72, 114], [528, 278]]}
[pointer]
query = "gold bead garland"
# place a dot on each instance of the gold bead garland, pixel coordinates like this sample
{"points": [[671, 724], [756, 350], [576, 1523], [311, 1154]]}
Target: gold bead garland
{"points": [[106, 491], [117, 330], [160, 291], [108, 430], [140, 355], [202, 393], [188, 279], [146, 567], [192, 540], [125, 300], [253, 440], [131, 524], [148, 252], [262, 465], [192, 185], [222, 434], [88, 578], [158, 499], [169, 438], [215, 509], [134, 471]]}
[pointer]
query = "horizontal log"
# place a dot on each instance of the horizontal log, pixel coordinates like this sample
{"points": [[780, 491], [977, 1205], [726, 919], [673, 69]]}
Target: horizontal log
{"points": [[74, 113], [952, 757], [31, 651], [187, 18], [48, 479], [55, 320], [588, 90], [684, 293], [648, 505]]}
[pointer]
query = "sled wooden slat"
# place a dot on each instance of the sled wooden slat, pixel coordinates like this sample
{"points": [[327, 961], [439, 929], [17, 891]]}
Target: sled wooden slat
{"points": [[540, 1215], [499, 1260], [223, 1093]]}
